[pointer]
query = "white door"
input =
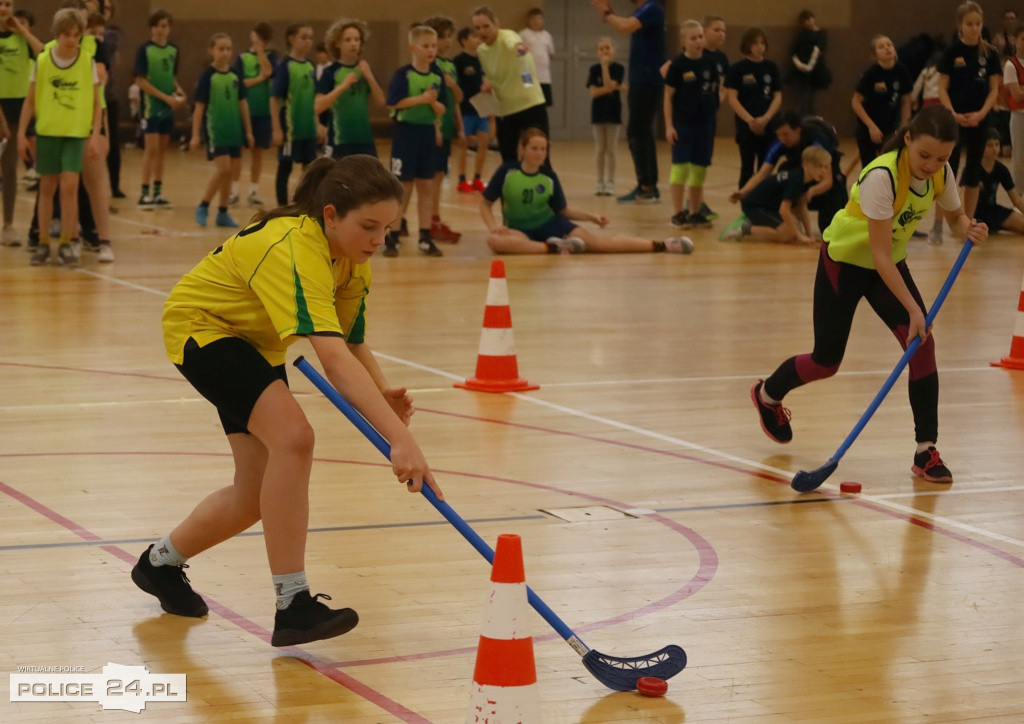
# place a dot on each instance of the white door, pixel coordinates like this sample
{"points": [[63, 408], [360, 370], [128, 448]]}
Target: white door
{"points": [[575, 26]]}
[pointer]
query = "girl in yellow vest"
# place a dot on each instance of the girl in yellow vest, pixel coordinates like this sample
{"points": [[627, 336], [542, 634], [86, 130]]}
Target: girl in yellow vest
{"points": [[301, 270], [18, 46], [63, 94], [865, 256]]}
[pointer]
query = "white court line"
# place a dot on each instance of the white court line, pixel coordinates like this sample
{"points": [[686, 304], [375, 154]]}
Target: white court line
{"points": [[123, 282], [958, 490], [881, 501]]}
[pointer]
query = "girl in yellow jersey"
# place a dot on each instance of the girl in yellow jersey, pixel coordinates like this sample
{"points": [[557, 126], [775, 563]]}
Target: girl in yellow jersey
{"points": [[298, 271], [865, 256]]}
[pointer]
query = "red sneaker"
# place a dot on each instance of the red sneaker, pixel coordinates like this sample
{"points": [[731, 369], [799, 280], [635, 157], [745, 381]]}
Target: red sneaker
{"points": [[465, 187], [439, 231], [478, 184]]}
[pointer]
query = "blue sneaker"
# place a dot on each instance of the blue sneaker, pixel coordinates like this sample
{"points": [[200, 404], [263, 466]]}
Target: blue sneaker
{"points": [[202, 214], [630, 197], [224, 219]]}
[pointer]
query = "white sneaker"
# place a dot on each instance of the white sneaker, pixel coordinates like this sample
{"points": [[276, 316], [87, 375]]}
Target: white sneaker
{"points": [[233, 200], [66, 255], [9, 237], [568, 245], [679, 245], [254, 200], [935, 237], [106, 253], [599, 188]]}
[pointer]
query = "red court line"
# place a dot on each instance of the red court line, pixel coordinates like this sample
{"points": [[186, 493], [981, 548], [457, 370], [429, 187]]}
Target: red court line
{"points": [[91, 371], [316, 663]]}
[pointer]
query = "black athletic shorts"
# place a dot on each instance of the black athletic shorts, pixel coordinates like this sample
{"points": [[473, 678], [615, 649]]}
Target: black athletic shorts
{"points": [[232, 375]]}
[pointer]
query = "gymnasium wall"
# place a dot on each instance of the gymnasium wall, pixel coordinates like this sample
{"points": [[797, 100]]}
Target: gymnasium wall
{"points": [[850, 25]]}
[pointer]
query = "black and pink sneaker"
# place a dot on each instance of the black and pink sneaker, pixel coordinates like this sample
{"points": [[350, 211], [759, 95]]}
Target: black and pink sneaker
{"points": [[929, 465], [774, 418]]}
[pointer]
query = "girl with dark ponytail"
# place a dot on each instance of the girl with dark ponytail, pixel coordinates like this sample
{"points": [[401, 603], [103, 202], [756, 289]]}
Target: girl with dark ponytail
{"points": [[864, 255], [300, 270], [969, 75]]}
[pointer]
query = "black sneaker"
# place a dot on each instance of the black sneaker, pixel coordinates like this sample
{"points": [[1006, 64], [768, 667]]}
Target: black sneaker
{"points": [[697, 221], [774, 418], [306, 619], [679, 220], [403, 229], [429, 248], [929, 465], [170, 585], [391, 244]]}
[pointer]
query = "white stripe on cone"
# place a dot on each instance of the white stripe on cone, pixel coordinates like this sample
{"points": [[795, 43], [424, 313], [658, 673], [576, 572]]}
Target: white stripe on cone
{"points": [[497, 293], [497, 342], [503, 704], [1018, 325], [504, 617]]}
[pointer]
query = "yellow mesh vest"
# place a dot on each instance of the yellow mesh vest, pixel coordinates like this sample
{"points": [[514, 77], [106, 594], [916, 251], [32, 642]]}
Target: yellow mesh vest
{"points": [[64, 97], [847, 235]]}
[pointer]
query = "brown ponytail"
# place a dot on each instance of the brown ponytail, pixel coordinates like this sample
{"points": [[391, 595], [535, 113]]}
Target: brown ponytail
{"points": [[936, 121], [345, 184]]}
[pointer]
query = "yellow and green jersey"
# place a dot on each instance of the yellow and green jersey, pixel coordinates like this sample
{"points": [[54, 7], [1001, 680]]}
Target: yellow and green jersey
{"points": [[528, 200], [270, 284], [350, 114], [158, 64], [295, 86], [847, 235], [65, 97], [15, 65], [222, 92], [407, 82], [247, 65]]}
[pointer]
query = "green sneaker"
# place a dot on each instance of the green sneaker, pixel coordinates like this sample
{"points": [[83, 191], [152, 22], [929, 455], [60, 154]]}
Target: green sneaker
{"points": [[735, 230]]}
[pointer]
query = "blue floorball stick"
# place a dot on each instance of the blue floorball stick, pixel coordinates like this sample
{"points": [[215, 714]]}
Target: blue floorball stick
{"points": [[806, 481], [620, 674]]}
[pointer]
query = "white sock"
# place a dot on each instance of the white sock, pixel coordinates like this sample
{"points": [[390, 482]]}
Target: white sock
{"points": [[234, 188], [253, 188], [923, 446], [163, 553], [766, 399], [287, 585]]}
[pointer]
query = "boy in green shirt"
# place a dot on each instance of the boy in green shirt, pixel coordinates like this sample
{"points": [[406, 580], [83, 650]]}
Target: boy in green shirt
{"points": [[451, 121], [156, 64], [65, 118]]}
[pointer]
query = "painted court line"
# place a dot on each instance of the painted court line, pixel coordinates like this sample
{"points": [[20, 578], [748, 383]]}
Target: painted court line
{"points": [[720, 454]]}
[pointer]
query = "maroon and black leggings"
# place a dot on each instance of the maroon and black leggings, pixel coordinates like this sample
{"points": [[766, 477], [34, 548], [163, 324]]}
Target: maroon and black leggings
{"points": [[838, 289]]}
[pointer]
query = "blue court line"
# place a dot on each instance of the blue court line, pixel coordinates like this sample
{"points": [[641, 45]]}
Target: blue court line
{"points": [[420, 524]]}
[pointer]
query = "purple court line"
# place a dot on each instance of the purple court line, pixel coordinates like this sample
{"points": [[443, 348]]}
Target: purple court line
{"points": [[928, 525], [314, 662], [705, 571]]}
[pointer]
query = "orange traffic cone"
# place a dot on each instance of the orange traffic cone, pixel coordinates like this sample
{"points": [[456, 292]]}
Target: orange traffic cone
{"points": [[1015, 360], [504, 689], [496, 367]]}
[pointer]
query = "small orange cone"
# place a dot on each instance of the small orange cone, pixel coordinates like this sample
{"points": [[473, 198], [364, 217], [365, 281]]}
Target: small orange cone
{"points": [[496, 366], [504, 689], [1015, 360]]}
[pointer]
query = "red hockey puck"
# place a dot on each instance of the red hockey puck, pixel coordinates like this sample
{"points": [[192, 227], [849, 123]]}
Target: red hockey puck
{"points": [[849, 487], [652, 686]]}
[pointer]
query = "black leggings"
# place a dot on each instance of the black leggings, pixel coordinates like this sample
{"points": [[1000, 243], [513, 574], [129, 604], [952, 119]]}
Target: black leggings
{"points": [[972, 141], [838, 289], [753, 149]]}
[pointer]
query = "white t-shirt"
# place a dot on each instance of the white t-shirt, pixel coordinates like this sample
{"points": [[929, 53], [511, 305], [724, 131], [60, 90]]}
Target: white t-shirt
{"points": [[877, 195], [541, 46], [1010, 76]]}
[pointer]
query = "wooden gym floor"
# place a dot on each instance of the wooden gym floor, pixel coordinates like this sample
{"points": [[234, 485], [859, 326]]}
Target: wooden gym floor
{"points": [[901, 604]]}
